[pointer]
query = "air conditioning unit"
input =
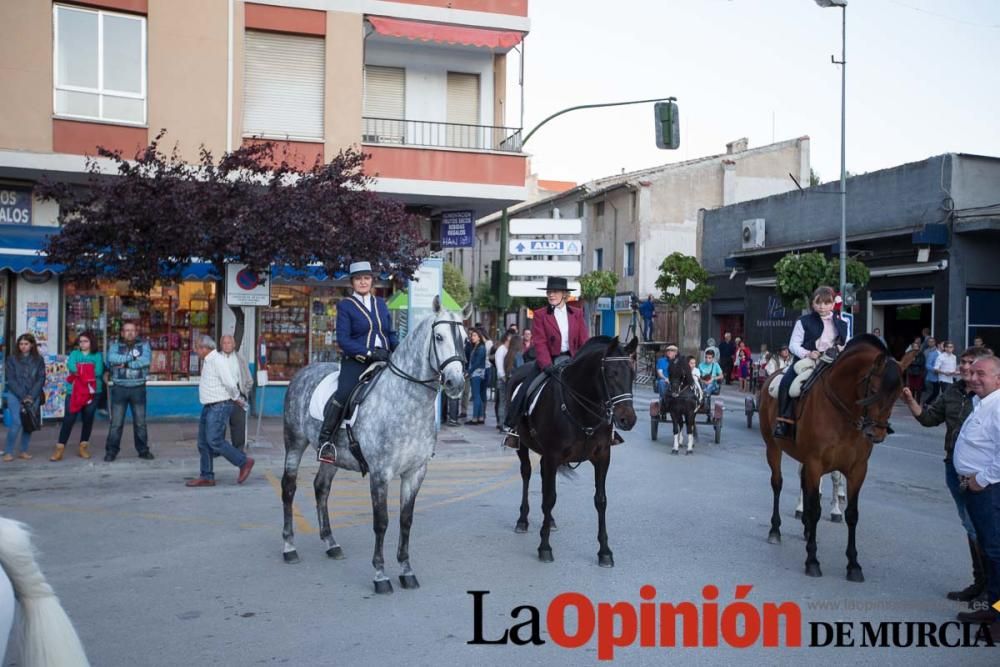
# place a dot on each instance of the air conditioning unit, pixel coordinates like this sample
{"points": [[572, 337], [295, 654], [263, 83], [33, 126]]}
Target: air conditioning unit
{"points": [[752, 233]]}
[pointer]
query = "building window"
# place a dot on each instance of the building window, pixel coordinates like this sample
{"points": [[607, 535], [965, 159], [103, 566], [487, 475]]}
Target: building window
{"points": [[100, 65], [497, 234], [630, 259], [579, 209], [385, 104], [635, 205], [463, 111], [599, 215], [598, 259], [283, 89]]}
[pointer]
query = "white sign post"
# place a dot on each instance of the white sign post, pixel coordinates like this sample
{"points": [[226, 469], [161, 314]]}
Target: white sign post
{"points": [[535, 243]]}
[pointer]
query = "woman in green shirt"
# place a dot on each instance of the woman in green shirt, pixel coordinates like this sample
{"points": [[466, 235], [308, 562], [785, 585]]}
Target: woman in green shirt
{"points": [[87, 365]]}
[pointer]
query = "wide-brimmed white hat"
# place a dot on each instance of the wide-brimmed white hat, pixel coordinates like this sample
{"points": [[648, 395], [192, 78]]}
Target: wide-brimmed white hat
{"points": [[358, 268]]}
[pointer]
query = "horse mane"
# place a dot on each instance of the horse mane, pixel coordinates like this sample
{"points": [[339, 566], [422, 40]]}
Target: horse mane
{"points": [[865, 338], [892, 374], [596, 342]]}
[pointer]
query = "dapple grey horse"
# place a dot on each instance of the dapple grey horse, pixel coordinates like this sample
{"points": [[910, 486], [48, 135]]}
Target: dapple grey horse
{"points": [[395, 428]]}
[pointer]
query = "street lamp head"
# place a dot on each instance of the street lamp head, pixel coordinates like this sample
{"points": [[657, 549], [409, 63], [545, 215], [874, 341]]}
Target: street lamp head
{"points": [[832, 3]]}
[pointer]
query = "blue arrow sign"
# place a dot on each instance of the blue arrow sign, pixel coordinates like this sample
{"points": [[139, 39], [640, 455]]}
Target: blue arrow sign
{"points": [[520, 247]]}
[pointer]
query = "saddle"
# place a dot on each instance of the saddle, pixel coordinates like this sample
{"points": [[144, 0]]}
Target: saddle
{"points": [[807, 373], [326, 389]]}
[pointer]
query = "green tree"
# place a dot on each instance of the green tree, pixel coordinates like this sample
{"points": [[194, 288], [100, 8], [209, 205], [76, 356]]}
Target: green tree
{"points": [[814, 177], [455, 285], [682, 284], [799, 274], [484, 298], [595, 285]]}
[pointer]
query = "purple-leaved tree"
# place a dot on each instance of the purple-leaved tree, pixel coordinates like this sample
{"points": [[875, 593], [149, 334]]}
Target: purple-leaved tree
{"points": [[158, 213]]}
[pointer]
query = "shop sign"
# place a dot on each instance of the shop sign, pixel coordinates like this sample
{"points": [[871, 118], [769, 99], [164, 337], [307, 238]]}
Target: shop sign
{"points": [[456, 229], [623, 302], [247, 288], [604, 303], [15, 205]]}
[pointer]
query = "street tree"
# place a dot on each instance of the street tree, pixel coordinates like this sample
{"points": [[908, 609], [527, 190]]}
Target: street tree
{"points": [[455, 285], [682, 283], [593, 286], [799, 274], [156, 214]]}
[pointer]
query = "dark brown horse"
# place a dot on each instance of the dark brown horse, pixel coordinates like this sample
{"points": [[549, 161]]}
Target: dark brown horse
{"points": [[838, 423], [573, 421]]}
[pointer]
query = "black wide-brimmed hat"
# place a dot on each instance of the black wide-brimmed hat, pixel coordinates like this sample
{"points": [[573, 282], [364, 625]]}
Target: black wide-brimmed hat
{"points": [[556, 284]]}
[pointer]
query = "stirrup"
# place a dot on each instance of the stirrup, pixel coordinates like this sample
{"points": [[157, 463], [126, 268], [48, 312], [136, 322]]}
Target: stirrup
{"points": [[327, 453]]}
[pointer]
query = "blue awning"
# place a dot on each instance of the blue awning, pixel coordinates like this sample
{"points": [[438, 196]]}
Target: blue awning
{"points": [[25, 237], [34, 263]]}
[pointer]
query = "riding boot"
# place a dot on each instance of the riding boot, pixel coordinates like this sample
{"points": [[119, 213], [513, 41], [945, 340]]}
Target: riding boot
{"points": [[331, 420], [978, 576], [783, 427]]}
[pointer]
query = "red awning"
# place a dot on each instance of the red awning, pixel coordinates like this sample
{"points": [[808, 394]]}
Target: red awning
{"points": [[446, 34]]}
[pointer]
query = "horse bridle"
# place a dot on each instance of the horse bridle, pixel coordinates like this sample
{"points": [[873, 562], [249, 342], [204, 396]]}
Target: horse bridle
{"points": [[437, 382], [603, 410], [863, 423]]}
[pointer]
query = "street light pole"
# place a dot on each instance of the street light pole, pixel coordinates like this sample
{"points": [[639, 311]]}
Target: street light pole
{"points": [[843, 134], [503, 299]]}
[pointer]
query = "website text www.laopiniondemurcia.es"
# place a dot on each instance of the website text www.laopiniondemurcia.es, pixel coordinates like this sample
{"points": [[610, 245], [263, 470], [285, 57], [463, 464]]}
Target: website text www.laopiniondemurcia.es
{"points": [[737, 624]]}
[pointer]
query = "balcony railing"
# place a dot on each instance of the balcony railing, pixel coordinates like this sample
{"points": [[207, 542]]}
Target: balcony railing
{"points": [[396, 132]]}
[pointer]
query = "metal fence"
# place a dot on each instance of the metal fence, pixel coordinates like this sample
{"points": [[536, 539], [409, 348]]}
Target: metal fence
{"points": [[394, 131]]}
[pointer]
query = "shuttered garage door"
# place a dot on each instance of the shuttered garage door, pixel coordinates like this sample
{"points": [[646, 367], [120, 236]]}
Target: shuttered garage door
{"points": [[283, 86], [385, 94], [463, 107]]}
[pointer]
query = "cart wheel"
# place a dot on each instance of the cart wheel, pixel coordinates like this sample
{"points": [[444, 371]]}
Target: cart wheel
{"points": [[718, 432], [654, 427]]}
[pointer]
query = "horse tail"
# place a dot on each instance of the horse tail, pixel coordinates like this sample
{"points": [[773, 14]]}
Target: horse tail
{"points": [[46, 635]]}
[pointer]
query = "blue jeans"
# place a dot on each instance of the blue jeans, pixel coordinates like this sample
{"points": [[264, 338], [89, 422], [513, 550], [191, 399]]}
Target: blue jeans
{"points": [[15, 432], [121, 399], [647, 329], [478, 409], [711, 389], [951, 479], [212, 438], [984, 510]]}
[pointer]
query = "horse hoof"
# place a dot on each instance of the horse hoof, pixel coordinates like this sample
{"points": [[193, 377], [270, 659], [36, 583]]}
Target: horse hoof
{"points": [[335, 553], [798, 514], [837, 518], [674, 452], [409, 581], [689, 452], [291, 557], [545, 555], [605, 560], [553, 526], [774, 537], [812, 570], [855, 575], [521, 527], [383, 586]]}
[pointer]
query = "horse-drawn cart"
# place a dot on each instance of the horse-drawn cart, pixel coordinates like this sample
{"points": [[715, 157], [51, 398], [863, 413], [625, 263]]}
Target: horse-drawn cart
{"points": [[711, 406]]}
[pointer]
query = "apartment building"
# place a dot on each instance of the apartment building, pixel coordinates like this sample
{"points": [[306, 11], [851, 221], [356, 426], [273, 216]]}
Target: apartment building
{"points": [[421, 85]]}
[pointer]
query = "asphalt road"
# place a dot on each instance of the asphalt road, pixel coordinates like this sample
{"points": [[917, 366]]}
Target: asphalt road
{"points": [[154, 573]]}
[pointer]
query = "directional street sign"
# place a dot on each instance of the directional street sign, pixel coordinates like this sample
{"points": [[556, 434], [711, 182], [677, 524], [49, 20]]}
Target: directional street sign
{"points": [[536, 226], [528, 267], [544, 247], [535, 288]]}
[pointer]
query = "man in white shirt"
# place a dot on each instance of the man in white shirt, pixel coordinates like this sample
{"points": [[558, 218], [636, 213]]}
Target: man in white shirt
{"points": [[977, 462], [218, 392], [240, 370]]}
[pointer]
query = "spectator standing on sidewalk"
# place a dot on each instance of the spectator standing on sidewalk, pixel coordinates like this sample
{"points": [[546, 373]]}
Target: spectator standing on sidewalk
{"points": [[128, 359], [25, 376], [218, 392], [240, 369], [529, 350], [931, 353], [727, 352], [83, 387], [946, 365]]}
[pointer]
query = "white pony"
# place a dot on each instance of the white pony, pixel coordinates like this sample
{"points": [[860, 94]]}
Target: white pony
{"points": [[44, 636]]}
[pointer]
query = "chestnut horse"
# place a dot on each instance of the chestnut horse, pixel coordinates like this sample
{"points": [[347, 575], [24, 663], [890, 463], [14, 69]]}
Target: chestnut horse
{"points": [[838, 423]]}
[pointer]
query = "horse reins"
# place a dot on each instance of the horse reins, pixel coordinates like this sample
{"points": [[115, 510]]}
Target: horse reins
{"points": [[864, 421], [435, 383], [604, 409]]}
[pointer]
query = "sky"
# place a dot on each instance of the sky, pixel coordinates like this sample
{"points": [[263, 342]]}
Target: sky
{"points": [[922, 79]]}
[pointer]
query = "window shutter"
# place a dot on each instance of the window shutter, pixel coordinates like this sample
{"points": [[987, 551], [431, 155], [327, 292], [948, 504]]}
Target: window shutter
{"points": [[385, 98], [284, 85], [463, 108]]}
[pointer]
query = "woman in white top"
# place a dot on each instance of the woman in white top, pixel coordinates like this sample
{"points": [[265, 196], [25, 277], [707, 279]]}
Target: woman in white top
{"points": [[946, 365]]}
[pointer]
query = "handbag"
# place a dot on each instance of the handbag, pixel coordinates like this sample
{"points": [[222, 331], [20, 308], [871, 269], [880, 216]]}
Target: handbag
{"points": [[31, 418]]}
